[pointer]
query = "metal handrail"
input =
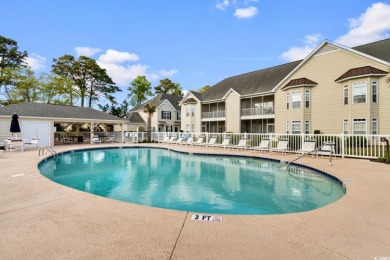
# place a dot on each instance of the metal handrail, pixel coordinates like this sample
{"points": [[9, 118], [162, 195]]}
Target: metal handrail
{"points": [[315, 150], [51, 150]]}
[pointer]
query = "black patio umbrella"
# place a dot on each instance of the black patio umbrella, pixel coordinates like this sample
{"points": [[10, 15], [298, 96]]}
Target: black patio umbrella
{"points": [[15, 128]]}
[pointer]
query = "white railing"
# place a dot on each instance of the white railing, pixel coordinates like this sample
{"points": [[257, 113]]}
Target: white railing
{"points": [[214, 114], [356, 146], [258, 111]]}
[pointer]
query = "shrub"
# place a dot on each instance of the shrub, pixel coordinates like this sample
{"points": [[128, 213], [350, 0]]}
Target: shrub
{"points": [[356, 141]]}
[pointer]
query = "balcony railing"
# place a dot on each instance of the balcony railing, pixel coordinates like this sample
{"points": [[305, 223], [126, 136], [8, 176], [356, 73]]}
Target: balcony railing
{"points": [[214, 114], [259, 111]]}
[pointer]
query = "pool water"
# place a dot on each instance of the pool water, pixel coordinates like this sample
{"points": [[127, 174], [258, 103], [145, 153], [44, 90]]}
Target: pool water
{"points": [[197, 183]]}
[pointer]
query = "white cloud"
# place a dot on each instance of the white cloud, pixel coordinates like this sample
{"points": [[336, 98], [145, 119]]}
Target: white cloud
{"points": [[86, 51], [221, 5], [113, 56], [36, 62], [246, 13], [372, 25], [119, 68], [297, 52]]}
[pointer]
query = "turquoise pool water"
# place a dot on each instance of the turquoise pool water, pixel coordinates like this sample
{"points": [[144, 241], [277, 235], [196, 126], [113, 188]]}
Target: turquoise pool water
{"points": [[196, 183]]}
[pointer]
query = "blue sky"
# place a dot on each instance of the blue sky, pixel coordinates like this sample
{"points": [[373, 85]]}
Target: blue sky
{"points": [[194, 43]]}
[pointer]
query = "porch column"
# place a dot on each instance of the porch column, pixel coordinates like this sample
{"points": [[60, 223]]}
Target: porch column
{"points": [[91, 126], [123, 133]]}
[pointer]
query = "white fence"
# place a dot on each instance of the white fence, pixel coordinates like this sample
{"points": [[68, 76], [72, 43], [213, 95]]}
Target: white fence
{"points": [[358, 146]]}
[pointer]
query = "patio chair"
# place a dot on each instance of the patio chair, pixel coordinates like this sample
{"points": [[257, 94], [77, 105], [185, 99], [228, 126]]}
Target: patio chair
{"points": [[15, 145], [96, 140], [308, 147], [189, 141], [171, 140], [33, 143], [326, 149], [199, 141], [242, 144], [165, 140], [212, 141], [263, 146], [178, 141], [225, 143], [281, 147]]}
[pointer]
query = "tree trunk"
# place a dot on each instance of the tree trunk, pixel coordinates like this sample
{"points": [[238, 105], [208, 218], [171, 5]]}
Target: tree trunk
{"points": [[148, 127]]}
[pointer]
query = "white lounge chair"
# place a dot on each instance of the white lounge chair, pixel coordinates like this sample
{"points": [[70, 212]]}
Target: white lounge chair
{"points": [[96, 140], [199, 141], [189, 141], [212, 141], [326, 149], [171, 140], [263, 146], [242, 144], [15, 145], [281, 147], [225, 143], [178, 141], [33, 143], [308, 147], [166, 139]]}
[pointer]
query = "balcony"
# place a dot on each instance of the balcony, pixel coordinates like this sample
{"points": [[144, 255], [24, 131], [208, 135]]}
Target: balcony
{"points": [[215, 115], [258, 112]]}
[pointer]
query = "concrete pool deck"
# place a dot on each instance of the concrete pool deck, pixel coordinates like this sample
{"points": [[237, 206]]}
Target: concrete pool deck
{"points": [[40, 219]]}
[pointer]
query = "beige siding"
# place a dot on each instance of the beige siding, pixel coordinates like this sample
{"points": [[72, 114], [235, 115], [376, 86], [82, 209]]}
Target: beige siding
{"points": [[327, 109], [191, 120], [233, 112]]}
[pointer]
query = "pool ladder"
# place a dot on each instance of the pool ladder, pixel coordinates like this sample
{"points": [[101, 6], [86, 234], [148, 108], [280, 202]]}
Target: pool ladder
{"points": [[51, 150]]}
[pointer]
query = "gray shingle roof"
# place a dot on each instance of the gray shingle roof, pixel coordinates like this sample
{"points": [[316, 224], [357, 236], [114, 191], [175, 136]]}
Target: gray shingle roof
{"points": [[32, 109], [135, 117], [379, 49], [249, 83], [158, 100]]}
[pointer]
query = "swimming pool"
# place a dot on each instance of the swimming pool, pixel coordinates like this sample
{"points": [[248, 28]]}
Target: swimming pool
{"points": [[193, 182]]}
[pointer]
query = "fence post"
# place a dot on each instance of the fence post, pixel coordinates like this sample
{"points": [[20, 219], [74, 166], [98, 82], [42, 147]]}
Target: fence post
{"points": [[342, 145]]}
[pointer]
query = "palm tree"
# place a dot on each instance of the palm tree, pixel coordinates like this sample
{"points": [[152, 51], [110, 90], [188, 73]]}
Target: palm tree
{"points": [[149, 109]]}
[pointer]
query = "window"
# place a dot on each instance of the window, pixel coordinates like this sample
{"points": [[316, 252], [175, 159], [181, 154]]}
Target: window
{"points": [[192, 128], [345, 126], [187, 128], [168, 128], [192, 110], [287, 127], [296, 127], [307, 98], [307, 127], [166, 115], [287, 100], [374, 90], [187, 112], [178, 116], [359, 126], [374, 126], [296, 99], [359, 92], [346, 95]]}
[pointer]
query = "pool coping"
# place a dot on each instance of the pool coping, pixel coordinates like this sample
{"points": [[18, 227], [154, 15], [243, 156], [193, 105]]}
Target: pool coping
{"points": [[36, 212]]}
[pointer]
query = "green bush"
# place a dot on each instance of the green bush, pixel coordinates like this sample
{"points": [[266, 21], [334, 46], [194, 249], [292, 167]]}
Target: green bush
{"points": [[356, 141]]}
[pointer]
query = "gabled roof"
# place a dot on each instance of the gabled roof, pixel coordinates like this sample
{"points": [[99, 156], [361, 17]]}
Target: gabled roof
{"points": [[158, 100], [135, 117], [379, 49], [259, 81], [196, 94], [43, 110], [301, 82], [361, 72]]}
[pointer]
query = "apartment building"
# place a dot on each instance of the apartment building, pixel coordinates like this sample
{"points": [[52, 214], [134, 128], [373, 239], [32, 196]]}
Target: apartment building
{"points": [[335, 89], [166, 118]]}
